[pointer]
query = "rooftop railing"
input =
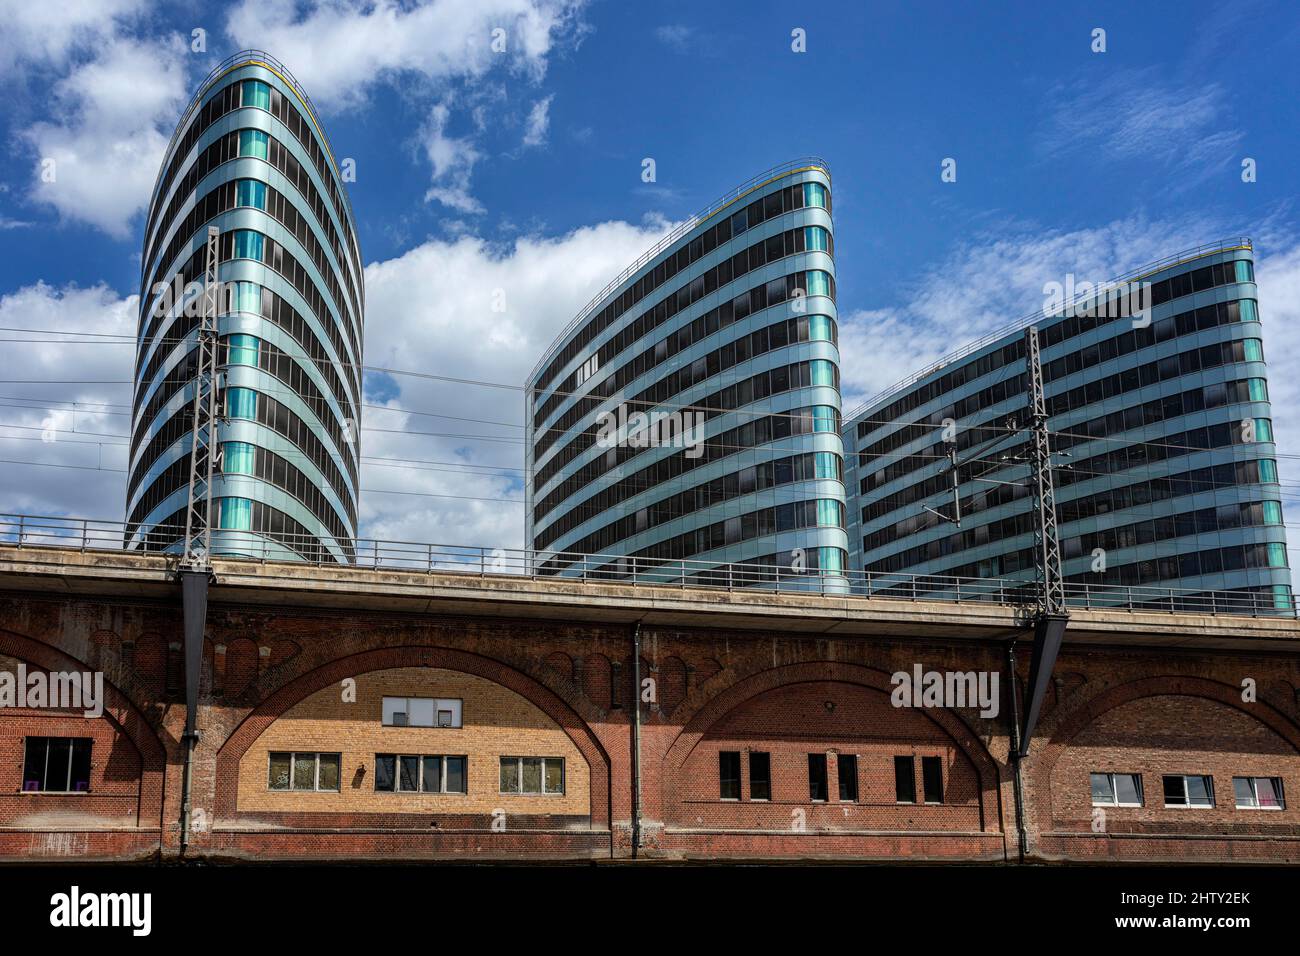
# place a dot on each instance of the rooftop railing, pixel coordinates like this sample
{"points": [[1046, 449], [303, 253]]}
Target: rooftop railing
{"points": [[1019, 325], [87, 534], [667, 241]]}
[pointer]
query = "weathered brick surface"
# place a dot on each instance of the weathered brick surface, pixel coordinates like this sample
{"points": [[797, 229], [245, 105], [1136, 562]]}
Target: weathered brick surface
{"points": [[271, 681]]}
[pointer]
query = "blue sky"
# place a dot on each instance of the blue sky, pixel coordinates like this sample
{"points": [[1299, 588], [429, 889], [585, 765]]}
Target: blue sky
{"points": [[521, 172]]}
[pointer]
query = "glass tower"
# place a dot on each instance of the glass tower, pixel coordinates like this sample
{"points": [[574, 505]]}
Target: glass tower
{"points": [[687, 423], [249, 157], [1164, 440]]}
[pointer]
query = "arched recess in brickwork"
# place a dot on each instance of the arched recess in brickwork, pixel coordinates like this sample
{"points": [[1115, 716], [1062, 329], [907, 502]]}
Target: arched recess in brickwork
{"points": [[949, 723], [233, 750], [119, 711], [1042, 763]]}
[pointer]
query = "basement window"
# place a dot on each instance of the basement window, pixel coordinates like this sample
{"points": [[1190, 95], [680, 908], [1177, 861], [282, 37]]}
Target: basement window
{"points": [[1116, 789], [1188, 791], [56, 764], [422, 712], [1258, 793]]}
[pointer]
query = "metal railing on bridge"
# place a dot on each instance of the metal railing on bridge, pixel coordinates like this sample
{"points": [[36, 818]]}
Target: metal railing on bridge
{"points": [[88, 534]]}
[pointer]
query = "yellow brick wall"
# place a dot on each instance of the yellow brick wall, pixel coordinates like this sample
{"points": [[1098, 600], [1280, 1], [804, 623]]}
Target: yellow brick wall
{"points": [[497, 722]]}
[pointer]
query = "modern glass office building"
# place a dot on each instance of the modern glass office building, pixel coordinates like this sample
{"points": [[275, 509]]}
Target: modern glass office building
{"points": [[689, 417], [1167, 469], [250, 158]]}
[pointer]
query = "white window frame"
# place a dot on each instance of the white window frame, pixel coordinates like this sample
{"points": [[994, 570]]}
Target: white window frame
{"points": [[419, 774], [1115, 790], [1187, 799], [1254, 793], [293, 759], [519, 767], [454, 705]]}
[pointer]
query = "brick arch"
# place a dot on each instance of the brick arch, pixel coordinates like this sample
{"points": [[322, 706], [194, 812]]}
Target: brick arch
{"points": [[132, 723], [278, 702], [744, 690], [1071, 725]]}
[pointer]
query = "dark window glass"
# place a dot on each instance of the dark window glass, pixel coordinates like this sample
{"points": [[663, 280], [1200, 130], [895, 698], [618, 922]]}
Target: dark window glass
{"points": [[385, 772], [455, 774], [760, 776], [431, 781], [729, 774], [816, 776], [409, 773], [905, 779], [847, 770], [932, 779]]}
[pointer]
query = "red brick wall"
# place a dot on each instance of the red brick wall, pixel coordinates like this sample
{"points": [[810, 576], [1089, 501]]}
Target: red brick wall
{"points": [[1151, 710]]}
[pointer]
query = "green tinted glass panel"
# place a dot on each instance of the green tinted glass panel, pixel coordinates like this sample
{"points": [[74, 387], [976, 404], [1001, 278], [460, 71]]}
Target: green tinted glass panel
{"points": [[1258, 390], [1249, 311], [241, 403], [1268, 471], [257, 93], [818, 283], [250, 192], [823, 417], [237, 458], [816, 239], [1253, 349], [1263, 429], [819, 328], [243, 350], [832, 559], [828, 513], [247, 298], [248, 244], [823, 372], [236, 514], [254, 143], [814, 194], [1276, 554], [1272, 512], [827, 465]]}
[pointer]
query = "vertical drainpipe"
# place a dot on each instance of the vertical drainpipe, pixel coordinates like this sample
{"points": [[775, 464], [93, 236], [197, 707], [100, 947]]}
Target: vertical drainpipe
{"points": [[636, 738], [1022, 837]]}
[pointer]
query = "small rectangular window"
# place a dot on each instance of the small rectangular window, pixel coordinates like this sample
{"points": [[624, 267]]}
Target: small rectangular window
{"points": [[729, 774], [905, 779], [932, 779], [760, 775], [817, 777], [1258, 793], [421, 712], [532, 775], [846, 769], [303, 771], [1116, 789]]}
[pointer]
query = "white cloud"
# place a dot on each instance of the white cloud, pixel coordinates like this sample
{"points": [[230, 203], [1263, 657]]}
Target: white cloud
{"points": [[1133, 115], [339, 48], [538, 123], [676, 36], [45, 34], [107, 148], [78, 429], [432, 309], [453, 159]]}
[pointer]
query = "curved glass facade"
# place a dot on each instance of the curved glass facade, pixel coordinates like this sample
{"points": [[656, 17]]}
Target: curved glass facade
{"points": [[1168, 471], [691, 413], [249, 157]]}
